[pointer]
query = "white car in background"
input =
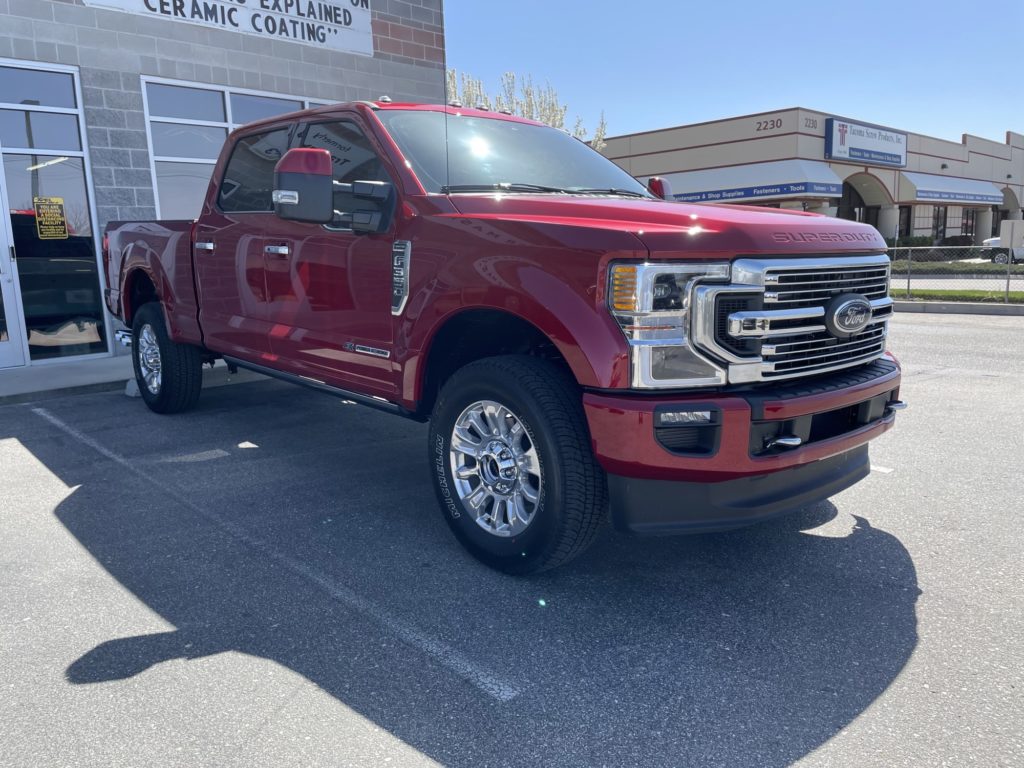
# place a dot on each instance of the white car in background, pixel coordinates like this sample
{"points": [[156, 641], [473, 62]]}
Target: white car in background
{"points": [[1002, 255]]}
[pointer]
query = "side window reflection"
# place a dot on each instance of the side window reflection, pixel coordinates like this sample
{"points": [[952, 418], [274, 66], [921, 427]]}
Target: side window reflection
{"points": [[353, 156]]}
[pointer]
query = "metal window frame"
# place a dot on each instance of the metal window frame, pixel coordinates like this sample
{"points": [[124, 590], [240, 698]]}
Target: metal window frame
{"points": [[229, 124], [90, 197]]}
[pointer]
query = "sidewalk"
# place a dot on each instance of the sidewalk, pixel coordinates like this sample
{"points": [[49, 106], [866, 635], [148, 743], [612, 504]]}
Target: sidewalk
{"points": [[39, 382]]}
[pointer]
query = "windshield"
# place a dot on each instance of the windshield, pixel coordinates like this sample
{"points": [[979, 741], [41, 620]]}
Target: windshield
{"points": [[487, 154]]}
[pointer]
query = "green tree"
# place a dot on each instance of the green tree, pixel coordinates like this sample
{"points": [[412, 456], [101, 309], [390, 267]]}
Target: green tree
{"points": [[521, 96]]}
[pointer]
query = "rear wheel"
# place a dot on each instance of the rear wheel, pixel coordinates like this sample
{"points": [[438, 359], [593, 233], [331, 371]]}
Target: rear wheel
{"points": [[170, 375], [512, 464]]}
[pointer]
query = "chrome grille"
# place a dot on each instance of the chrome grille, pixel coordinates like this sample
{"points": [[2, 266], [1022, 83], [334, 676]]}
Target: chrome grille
{"points": [[808, 288], [787, 325], [798, 353]]}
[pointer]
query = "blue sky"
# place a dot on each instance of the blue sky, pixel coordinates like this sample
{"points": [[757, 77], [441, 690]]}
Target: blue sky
{"points": [[938, 68]]}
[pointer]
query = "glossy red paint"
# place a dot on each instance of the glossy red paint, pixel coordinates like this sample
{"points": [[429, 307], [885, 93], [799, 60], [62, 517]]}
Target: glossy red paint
{"points": [[659, 187], [160, 253], [622, 434], [316, 162]]}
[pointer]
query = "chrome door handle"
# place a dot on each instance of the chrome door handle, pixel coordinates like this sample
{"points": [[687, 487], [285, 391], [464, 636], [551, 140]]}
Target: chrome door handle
{"points": [[277, 250], [204, 246]]}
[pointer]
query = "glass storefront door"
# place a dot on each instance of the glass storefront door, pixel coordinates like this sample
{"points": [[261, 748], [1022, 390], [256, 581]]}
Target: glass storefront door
{"points": [[58, 276], [48, 215], [12, 347]]}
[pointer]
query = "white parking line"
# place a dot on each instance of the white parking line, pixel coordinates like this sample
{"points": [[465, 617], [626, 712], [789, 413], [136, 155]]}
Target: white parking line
{"points": [[408, 634], [880, 470]]}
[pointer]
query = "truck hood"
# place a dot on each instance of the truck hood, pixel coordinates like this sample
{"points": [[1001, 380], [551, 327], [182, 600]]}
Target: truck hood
{"points": [[668, 229]]}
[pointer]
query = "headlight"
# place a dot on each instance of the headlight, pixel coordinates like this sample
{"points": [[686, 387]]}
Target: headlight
{"points": [[651, 303]]}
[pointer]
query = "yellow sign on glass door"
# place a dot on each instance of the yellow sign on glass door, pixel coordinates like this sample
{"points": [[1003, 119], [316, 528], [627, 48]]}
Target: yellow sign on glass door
{"points": [[51, 220]]}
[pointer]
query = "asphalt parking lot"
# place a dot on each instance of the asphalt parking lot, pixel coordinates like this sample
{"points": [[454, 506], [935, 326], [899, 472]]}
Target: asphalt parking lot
{"points": [[267, 581]]}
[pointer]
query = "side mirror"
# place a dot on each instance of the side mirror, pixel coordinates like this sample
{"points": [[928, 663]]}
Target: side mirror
{"points": [[304, 186], [660, 187]]}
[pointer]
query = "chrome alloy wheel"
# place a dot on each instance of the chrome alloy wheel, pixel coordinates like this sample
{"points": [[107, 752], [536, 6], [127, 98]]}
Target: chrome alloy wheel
{"points": [[496, 468], [149, 358]]}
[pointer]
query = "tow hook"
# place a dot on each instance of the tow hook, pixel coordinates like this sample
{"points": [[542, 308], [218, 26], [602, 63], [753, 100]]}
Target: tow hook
{"points": [[895, 405], [784, 441]]}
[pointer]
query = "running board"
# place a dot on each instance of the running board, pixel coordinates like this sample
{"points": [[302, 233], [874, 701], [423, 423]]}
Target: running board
{"points": [[373, 402]]}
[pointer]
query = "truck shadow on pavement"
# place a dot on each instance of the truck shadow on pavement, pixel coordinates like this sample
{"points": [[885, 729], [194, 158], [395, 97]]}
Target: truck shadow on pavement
{"points": [[753, 647]]}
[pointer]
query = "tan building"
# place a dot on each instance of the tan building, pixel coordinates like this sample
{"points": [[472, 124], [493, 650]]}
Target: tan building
{"points": [[807, 160]]}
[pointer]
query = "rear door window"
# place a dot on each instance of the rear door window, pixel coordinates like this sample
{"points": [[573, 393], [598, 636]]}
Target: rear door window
{"points": [[248, 183]]}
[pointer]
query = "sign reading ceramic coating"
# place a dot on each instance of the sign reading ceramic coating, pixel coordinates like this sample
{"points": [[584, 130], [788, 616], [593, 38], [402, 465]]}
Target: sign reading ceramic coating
{"points": [[51, 221], [342, 25], [864, 143]]}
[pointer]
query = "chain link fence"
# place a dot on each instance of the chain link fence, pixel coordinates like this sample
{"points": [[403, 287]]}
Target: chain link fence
{"points": [[958, 273]]}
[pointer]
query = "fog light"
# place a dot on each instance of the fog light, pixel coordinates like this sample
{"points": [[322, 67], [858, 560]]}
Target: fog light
{"points": [[669, 418]]}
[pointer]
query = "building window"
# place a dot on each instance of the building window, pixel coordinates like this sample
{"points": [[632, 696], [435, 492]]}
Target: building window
{"points": [[939, 223], [906, 212], [969, 221], [923, 219], [954, 218], [188, 124], [44, 175]]}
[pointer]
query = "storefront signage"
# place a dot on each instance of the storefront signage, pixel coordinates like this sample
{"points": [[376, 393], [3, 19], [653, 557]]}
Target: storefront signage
{"points": [[342, 25], [928, 195], [773, 190], [51, 220], [867, 144]]}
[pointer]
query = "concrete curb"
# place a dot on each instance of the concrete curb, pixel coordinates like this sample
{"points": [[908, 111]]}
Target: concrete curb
{"points": [[960, 308], [215, 377], [50, 394]]}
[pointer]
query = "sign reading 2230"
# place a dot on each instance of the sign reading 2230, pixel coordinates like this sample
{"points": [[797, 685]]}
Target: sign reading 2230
{"points": [[769, 124]]}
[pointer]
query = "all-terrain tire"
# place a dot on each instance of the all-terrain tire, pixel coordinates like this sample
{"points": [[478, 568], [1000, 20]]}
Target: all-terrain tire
{"points": [[180, 366], [573, 495]]}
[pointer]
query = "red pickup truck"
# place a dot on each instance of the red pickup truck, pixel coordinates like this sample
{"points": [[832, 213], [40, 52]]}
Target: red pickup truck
{"points": [[582, 349]]}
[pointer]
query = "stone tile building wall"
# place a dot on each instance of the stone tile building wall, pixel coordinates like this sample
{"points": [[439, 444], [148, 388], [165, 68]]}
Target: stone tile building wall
{"points": [[113, 49]]}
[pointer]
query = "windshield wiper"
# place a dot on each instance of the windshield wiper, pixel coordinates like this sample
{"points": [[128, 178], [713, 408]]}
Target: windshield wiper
{"points": [[607, 191], [503, 186]]}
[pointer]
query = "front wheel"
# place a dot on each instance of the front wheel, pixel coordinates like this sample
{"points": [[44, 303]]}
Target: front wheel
{"points": [[1001, 257], [512, 464], [170, 375]]}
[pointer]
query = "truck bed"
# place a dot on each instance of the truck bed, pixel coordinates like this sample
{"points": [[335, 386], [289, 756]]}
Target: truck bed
{"points": [[150, 258]]}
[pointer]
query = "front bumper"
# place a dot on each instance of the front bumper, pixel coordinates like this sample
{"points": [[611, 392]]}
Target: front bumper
{"points": [[653, 507], [734, 477]]}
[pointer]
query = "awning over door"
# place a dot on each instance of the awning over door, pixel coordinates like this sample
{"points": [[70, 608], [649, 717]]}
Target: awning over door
{"points": [[757, 181], [929, 188]]}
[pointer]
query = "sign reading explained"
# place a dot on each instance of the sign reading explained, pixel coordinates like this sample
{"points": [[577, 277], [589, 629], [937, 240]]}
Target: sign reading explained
{"points": [[341, 25], [51, 221], [864, 143]]}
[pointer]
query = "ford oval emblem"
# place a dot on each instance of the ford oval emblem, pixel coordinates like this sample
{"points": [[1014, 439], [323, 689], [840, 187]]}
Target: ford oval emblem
{"points": [[847, 315]]}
